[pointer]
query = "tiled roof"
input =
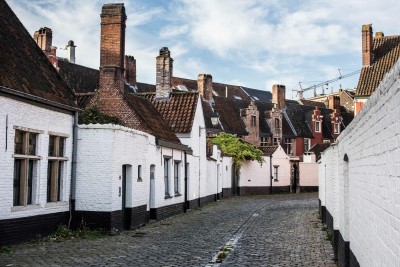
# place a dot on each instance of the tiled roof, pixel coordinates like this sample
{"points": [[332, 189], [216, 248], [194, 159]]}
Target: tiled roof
{"points": [[311, 103], [208, 111], [263, 109], [319, 148], [268, 150], [191, 85], [286, 129], [297, 116], [386, 52], [229, 114], [145, 88], [79, 78], [233, 91], [152, 121], [23, 65], [258, 95], [178, 111]]}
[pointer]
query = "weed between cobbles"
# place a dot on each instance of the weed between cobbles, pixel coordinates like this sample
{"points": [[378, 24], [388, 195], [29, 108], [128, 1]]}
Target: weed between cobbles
{"points": [[5, 250], [83, 232]]}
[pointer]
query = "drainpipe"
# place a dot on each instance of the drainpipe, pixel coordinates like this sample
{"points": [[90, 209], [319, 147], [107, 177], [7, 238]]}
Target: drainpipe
{"points": [[73, 169], [185, 206], [270, 172]]}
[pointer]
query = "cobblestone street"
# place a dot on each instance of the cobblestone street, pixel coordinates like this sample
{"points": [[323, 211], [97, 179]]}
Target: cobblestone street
{"points": [[279, 230]]}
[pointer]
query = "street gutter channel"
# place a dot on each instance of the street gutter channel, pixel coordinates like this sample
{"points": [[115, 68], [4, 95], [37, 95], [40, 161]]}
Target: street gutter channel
{"points": [[229, 246]]}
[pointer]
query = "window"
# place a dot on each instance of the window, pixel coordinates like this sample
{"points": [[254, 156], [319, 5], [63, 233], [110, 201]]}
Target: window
{"points": [[176, 177], [55, 168], [25, 164], [166, 176], [288, 144], [139, 171], [264, 142], [306, 144], [337, 128], [253, 121], [277, 123], [276, 141], [318, 126], [276, 172]]}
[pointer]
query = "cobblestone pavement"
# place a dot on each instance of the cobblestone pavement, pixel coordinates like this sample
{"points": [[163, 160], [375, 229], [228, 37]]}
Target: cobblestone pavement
{"points": [[278, 230]]}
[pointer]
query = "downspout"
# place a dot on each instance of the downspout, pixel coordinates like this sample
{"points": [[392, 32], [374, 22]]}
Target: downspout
{"points": [[73, 168], [185, 206], [270, 172]]}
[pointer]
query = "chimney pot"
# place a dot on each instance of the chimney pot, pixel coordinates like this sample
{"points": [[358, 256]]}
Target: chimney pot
{"points": [[71, 51], [130, 70], [379, 35], [164, 70], [278, 96], [367, 45], [205, 86]]}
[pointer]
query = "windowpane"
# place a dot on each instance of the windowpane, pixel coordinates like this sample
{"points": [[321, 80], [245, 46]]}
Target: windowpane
{"points": [[19, 142], [17, 181], [176, 177], [30, 179], [52, 146], [32, 144], [60, 168], [166, 174], [61, 147], [49, 172]]}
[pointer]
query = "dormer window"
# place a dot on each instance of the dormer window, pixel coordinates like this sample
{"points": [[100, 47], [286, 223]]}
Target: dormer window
{"points": [[337, 128], [253, 121], [318, 126]]}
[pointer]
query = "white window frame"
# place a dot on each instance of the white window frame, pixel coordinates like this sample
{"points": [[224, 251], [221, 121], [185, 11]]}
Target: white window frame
{"points": [[276, 173], [317, 126], [263, 141], [336, 127], [177, 177], [167, 171], [24, 193], [56, 168]]}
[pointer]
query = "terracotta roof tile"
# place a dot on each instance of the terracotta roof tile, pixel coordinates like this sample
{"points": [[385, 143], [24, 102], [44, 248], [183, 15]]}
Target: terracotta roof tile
{"points": [[268, 150], [178, 111], [152, 121], [386, 51], [23, 65]]}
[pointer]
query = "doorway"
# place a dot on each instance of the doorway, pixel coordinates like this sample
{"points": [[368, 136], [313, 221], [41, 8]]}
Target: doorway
{"points": [[235, 181], [126, 184], [152, 186]]}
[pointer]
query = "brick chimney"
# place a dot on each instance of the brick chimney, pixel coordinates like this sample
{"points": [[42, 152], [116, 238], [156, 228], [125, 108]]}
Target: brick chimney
{"points": [[367, 45], [278, 96], [44, 38], [334, 102], [71, 51], [205, 86], [130, 70], [164, 68], [112, 47]]}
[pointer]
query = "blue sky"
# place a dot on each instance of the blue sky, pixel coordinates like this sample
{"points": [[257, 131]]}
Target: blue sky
{"points": [[253, 43]]}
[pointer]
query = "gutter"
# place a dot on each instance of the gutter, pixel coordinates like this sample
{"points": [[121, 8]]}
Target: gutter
{"points": [[73, 169], [37, 99], [172, 145]]}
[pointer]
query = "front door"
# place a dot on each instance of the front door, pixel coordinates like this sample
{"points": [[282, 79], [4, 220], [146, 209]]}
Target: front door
{"points": [[152, 186], [295, 179], [125, 212], [235, 181]]}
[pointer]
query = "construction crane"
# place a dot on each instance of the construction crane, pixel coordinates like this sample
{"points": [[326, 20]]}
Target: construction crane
{"points": [[315, 86]]}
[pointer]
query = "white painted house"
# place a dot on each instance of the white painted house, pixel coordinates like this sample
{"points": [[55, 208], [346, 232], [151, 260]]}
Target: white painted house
{"points": [[37, 114]]}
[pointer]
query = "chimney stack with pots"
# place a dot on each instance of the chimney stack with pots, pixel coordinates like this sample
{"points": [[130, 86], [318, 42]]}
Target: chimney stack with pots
{"points": [[44, 37], [367, 45], [278, 96], [130, 70], [71, 51], [205, 86], [164, 68]]}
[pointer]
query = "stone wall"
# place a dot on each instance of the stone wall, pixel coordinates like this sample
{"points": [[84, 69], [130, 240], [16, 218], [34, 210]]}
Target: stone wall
{"points": [[359, 181]]}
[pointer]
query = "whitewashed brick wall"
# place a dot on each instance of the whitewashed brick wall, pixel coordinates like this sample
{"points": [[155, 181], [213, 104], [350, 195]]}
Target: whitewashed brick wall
{"points": [[38, 118], [372, 192]]}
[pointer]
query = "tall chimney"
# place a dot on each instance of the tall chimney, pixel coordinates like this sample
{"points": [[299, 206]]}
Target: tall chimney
{"points": [[130, 70], [44, 37], [71, 51], [164, 67], [278, 96], [367, 45], [334, 102], [112, 47], [205, 86]]}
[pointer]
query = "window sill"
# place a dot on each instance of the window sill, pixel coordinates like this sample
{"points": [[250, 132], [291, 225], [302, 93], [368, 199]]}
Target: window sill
{"points": [[178, 194], [23, 208], [167, 196], [56, 204]]}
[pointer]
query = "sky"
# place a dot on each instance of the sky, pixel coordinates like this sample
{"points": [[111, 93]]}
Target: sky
{"points": [[251, 43]]}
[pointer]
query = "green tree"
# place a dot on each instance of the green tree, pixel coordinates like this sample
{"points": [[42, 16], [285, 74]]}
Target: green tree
{"points": [[94, 115], [238, 149]]}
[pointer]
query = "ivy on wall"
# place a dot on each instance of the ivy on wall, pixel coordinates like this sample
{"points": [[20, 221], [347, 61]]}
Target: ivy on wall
{"points": [[93, 116], [238, 149]]}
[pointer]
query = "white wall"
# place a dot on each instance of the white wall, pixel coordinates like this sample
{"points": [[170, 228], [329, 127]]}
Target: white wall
{"points": [[21, 114], [366, 206], [103, 150], [254, 174], [308, 173], [281, 159], [226, 172]]}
